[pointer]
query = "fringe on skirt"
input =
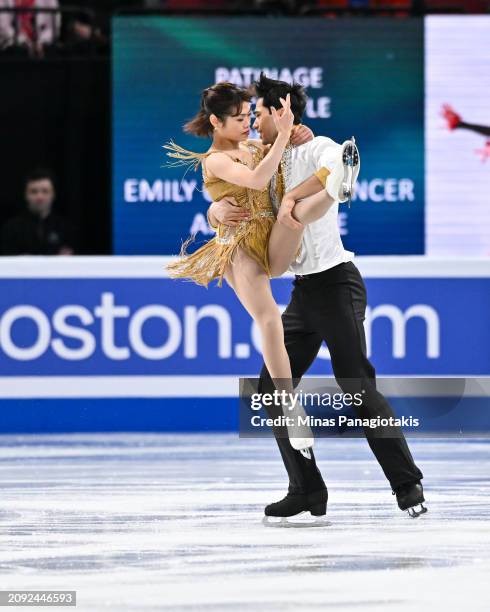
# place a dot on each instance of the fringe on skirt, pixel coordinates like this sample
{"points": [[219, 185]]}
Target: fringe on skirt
{"points": [[210, 260]]}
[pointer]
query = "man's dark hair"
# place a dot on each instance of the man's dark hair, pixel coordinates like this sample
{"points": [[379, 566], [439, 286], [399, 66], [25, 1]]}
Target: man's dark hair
{"points": [[40, 174], [271, 90]]}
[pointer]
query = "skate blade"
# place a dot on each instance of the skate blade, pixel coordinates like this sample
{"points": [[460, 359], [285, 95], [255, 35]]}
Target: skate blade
{"points": [[294, 522], [350, 159], [417, 511]]}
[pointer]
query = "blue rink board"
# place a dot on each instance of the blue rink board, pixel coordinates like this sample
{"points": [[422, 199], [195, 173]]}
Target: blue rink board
{"points": [[83, 341]]}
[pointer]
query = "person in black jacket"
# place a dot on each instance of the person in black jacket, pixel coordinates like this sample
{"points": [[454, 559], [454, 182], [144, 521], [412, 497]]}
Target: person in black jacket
{"points": [[38, 230]]}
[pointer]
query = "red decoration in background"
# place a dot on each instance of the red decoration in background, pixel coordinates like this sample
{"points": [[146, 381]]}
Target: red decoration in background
{"points": [[25, 18], [485, 152], [452, 118]]}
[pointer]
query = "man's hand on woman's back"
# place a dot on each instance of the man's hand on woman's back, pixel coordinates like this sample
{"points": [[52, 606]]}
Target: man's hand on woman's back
{"points": [[228, 212]]}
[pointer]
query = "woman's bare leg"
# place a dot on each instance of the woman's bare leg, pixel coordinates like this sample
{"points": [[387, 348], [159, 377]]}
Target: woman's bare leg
{"points": [[284, 242], [313, 207], [252, 287]]}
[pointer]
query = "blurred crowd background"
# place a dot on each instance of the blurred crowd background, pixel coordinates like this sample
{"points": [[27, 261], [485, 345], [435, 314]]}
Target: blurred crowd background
{"points": [[55, 107]]}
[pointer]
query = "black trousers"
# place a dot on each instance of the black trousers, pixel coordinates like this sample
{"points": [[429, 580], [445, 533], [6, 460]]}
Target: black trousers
{"points": [[330, 306]]}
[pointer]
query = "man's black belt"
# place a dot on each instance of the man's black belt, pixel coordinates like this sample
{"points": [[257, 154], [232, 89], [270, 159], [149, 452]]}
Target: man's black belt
{"points": [[301, 277]]}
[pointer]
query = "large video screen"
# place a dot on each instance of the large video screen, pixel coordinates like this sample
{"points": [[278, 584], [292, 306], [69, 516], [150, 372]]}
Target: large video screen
{"points": [[457, 135], [364, 78]]}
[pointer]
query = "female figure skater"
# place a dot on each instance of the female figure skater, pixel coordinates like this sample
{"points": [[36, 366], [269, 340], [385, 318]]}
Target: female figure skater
{"points": [[259, 247]]}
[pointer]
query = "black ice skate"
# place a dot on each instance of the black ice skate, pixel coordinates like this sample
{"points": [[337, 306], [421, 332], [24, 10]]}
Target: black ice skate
{"points": [[410, 497], [294, 505]]}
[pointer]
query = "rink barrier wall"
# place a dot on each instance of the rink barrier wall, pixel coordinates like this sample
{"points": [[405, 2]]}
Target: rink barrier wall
{"points": [[113, 344]]}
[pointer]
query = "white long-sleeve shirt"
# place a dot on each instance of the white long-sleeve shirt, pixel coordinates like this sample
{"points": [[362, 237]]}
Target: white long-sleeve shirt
{"points": [[321, 247], [47, 24]]}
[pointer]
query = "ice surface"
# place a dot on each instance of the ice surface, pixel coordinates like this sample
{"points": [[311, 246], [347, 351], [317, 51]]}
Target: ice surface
{"points": [[173, 522]]}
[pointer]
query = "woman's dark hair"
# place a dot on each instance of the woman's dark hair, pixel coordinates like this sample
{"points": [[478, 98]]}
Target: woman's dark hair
{"points": [[271, 90], [223, 100]]}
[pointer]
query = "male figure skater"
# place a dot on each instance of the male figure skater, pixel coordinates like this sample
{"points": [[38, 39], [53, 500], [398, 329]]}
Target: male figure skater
{"points": [[328, 303]]}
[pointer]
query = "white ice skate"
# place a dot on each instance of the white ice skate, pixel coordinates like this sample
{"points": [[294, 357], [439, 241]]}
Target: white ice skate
{"points": [[299, 432], [342, 179]]}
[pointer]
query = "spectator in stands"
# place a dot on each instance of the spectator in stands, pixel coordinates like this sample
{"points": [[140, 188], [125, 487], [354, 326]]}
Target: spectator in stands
{"points": [[37, 230], [86, 27], [28, 30]]}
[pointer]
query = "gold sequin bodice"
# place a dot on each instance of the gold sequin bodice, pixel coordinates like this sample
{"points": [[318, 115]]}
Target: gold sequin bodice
{"points": [[258, 202], [252, 235]]}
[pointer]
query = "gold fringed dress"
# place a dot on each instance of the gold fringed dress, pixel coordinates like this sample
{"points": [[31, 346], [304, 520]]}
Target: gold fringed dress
{"points": [[209, 261]]}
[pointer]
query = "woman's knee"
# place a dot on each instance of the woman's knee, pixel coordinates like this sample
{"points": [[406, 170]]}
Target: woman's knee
{"points": [[269, 321], [278, 268]]}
